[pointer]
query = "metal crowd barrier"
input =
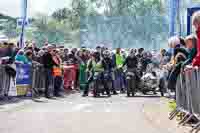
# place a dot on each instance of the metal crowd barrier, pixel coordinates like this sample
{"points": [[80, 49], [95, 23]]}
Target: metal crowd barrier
{"points": [[38, 78], [187, 97], [4, 81]]}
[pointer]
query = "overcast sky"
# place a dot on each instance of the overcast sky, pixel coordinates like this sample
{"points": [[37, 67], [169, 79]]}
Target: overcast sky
{"points": [[13, 7]]}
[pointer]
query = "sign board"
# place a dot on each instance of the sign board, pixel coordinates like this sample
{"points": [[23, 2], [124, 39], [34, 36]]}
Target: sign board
{"points": [[23, 79]]}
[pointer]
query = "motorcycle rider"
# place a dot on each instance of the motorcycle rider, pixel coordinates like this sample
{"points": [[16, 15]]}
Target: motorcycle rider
{"points": [[145, 60], [94, 64], [118, 61], [108, 66], [131, 62], [140, 53]]}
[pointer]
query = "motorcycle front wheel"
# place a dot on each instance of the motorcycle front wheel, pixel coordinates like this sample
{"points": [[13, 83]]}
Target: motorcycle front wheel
{"points": [[96, 87], [131, 85]]}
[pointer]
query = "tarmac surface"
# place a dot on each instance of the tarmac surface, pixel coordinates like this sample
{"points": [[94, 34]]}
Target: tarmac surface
{"points": [[75, 114]]}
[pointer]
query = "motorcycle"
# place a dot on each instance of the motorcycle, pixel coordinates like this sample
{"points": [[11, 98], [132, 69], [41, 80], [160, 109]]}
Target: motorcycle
{"points": [[150, 82], [151, 79], [96, 81], [99, 88], [131, 82], [108, 82]]}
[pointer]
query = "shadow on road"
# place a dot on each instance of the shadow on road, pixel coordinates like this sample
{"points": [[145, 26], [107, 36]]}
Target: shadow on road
{"points": [[12, 100], [146, 96]]}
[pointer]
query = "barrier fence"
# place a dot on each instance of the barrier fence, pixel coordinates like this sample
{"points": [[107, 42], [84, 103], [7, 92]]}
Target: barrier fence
{"points": [[38, 77], [4, 81], [30, 78], [187, 97]]}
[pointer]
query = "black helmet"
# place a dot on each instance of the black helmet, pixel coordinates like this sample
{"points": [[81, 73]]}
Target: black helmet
{"points": [[96, 54]]}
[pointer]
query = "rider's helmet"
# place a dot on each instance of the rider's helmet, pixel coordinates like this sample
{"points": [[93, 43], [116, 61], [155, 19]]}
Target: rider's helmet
{"points": [[140, 50], [96, 54], [98, 48], [132, 52], [106, 54]]}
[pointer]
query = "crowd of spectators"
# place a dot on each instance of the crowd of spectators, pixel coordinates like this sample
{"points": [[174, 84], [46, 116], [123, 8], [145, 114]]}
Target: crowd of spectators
{"points": [[183, 53]]}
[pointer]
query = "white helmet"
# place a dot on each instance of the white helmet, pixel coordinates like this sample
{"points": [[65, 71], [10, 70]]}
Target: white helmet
{"points": [[106, 53]]}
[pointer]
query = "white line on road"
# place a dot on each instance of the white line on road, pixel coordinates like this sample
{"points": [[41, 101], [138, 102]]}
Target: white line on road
{"points": [[88, 111], [108, 110], [81, 106]]}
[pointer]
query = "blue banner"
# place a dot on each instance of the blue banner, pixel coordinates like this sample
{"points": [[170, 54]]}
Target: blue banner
{"points": [[23, 74]]}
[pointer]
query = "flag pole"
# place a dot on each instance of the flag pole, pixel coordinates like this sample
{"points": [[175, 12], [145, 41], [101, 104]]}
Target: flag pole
{"points": [[24, 17]]}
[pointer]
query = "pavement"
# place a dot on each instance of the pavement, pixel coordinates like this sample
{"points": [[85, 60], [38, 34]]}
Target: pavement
{"points": [[75, 114], [156, 114]]}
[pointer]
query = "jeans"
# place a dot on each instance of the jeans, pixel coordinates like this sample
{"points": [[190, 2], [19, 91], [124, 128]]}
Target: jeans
{"points": [[49, 82], [173, 77], [89, 81], [100, 80], [120, 82], [58, 81]]}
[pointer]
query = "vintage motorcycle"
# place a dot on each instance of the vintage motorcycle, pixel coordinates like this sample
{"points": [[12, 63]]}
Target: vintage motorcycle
{"points": [[150, 81], [98, 87], [107, 81]]}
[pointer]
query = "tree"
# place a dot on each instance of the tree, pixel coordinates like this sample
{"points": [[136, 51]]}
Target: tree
{"points": [[137, 19], [119, 22], [62, 14], [10, 29]]}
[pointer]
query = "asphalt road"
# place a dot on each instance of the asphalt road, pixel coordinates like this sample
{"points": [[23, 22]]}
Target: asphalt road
{"points": [[75, 114]]}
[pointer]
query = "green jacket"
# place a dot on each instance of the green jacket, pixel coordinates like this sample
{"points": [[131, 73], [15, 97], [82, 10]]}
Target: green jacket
{"points": [[94, 66], [191, 56], [119, 60], [21, 58]]}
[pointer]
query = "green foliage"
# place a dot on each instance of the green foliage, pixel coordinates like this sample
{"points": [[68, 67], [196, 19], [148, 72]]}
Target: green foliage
{"points": [[64, 25], [2, 16], [10, 29], [128, 22], [8, 26]]}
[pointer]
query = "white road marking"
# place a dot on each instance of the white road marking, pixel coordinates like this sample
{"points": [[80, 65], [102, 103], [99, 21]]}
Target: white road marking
{"points": [[81, 106], [88, 111], [108, 110]]}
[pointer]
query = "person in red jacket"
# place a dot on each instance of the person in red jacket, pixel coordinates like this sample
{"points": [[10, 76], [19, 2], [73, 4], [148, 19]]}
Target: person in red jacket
{"points": [[196, 24]]}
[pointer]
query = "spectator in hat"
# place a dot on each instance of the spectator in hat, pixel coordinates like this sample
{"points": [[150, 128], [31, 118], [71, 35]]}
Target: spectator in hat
{"points": [[66, 52], [39, 56], [191, 45], [21, 58], [29, 56], [48, 66], [57, 73]]}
